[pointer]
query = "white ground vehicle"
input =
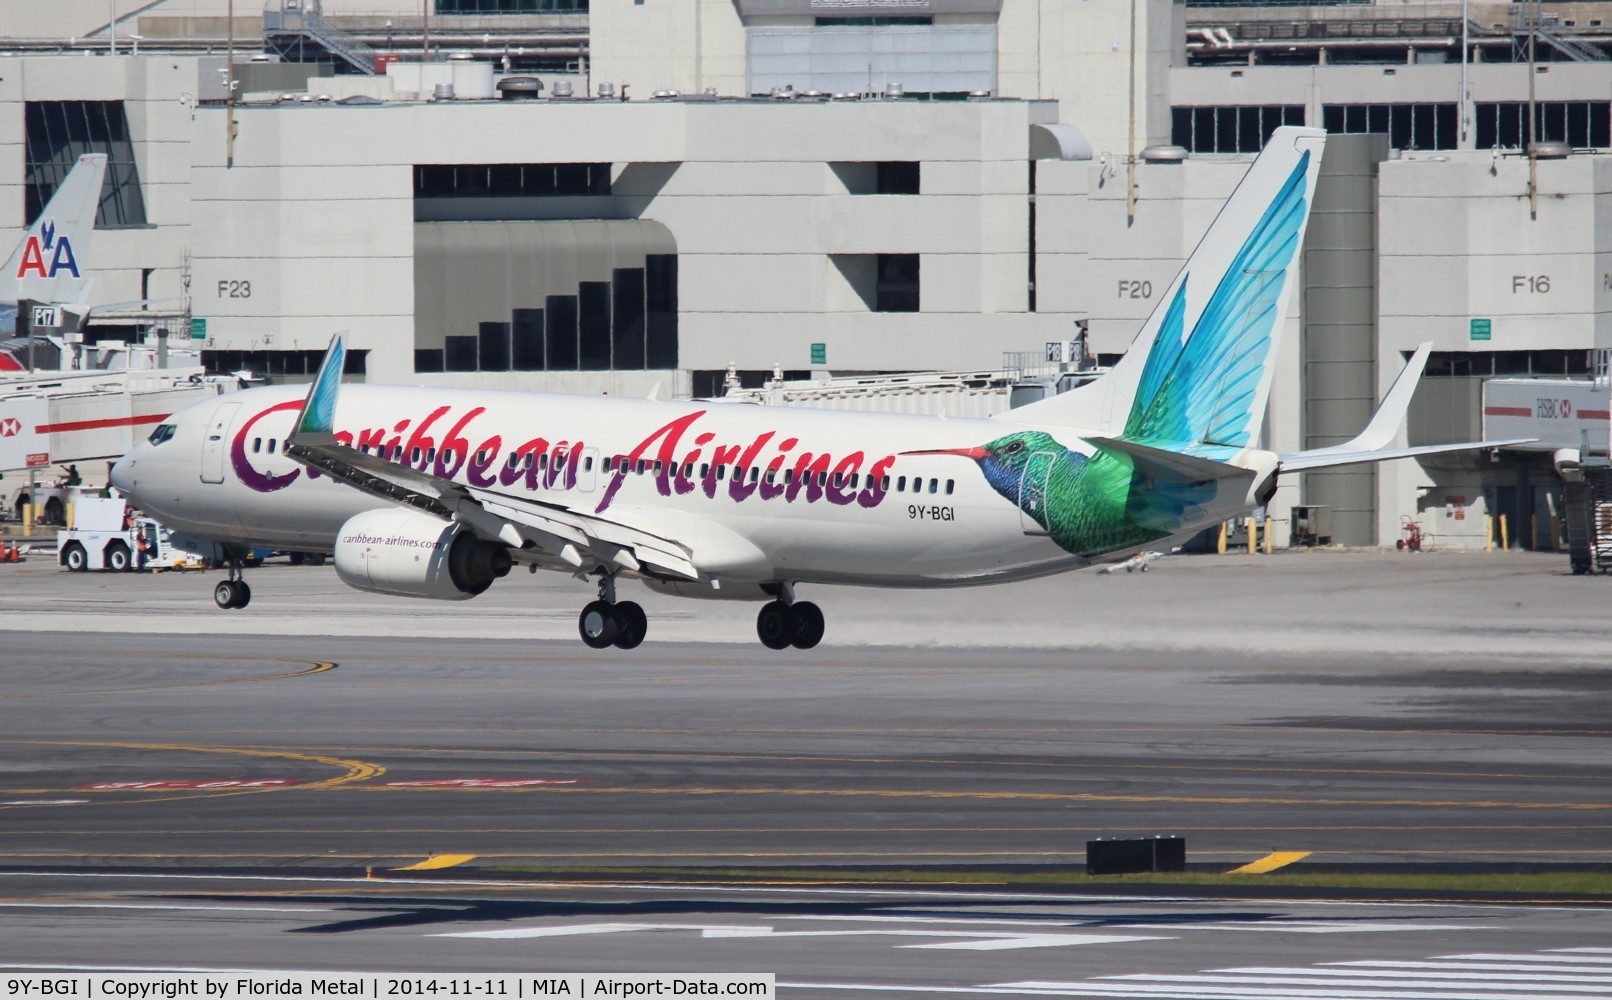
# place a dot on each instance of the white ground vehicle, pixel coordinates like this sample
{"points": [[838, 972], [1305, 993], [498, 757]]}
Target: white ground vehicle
{"points": [[106, 537]]}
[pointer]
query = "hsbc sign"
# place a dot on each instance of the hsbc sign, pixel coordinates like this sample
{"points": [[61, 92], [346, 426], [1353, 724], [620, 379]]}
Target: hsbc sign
{"points": [[21, 444]]}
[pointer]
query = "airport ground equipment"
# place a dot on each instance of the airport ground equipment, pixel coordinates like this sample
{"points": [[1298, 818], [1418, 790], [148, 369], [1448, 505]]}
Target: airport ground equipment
{"points": [[1412, 530], [107, 536], [1587, 516]]}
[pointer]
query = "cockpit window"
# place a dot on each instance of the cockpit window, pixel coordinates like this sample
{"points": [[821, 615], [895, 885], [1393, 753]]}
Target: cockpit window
{"points": [[162, 433]]}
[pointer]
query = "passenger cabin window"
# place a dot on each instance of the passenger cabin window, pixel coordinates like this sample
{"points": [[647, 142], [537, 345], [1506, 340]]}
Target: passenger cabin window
{"points": [[272, 443], [257, 445]]}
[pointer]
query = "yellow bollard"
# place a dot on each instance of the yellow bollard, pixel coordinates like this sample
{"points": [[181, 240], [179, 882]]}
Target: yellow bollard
{"points": [[27, 518], [1488, 534], [1253, 537], [1268, 534], [1220, 546], [1505, 534], [1555, 533]]}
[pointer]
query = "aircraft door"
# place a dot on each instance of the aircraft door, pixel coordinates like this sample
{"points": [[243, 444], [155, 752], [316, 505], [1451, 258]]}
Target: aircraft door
{"points": [[587, 469], [1033, 493], [214, 447]]}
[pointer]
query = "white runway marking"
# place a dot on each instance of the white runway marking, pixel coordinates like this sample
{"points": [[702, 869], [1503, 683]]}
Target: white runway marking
{"points": [[970, 940], [1446, 977], [1309, 927]]}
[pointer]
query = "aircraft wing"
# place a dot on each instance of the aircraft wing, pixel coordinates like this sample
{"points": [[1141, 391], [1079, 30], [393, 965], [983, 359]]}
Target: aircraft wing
{"points": [[526, 525], [1371, 444]]}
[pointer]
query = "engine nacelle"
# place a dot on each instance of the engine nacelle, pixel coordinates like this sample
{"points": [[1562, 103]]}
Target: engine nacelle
{"points": [[410, 554]]}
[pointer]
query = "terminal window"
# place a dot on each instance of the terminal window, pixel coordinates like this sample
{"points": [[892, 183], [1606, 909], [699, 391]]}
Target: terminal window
{"points": [[1581, 124], [510, 180], [1408, 126], [278, 364], [59, 132], [511, 6], [1234, 129], [897, 287]]}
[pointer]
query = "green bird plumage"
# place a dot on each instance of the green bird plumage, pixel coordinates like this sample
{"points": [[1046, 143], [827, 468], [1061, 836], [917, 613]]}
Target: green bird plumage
{"points": [[1089, 505]]}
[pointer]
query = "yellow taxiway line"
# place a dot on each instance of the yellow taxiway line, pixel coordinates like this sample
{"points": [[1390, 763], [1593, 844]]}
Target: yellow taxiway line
{"points": [[437, 861], [1270, 862]]}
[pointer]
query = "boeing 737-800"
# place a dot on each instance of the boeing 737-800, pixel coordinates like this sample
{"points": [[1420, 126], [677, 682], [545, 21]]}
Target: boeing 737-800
{"points": [[438, 493]]}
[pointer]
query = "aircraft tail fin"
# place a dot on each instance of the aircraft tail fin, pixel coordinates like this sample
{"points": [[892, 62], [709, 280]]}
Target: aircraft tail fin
{"points": [[1197, 377], [51, 264]]}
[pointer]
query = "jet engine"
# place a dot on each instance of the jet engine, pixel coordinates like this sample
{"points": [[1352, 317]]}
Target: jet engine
{"points": [[407, 553]]}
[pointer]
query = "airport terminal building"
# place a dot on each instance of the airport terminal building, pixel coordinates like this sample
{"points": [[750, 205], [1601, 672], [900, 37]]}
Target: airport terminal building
{"points": [[619, 196]]}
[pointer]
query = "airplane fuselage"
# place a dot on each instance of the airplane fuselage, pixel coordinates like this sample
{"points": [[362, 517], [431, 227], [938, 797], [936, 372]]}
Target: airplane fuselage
{"points": [[756, 493]]}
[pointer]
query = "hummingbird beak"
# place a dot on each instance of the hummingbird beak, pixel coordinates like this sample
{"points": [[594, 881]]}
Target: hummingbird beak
{"points": [[974, 453]]}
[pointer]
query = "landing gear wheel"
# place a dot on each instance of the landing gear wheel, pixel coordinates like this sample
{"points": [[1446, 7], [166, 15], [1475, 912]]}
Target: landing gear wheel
{"points": [[808, 624], [631, 624], [597, 624], [775, 625], [231, 595], [75, 558]]}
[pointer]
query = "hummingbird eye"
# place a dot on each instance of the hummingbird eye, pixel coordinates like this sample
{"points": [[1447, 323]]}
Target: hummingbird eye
{"points": [[1014, 448]]}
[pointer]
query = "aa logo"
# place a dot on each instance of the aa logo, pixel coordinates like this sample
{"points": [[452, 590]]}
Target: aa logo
{"points": [[47, 256]]}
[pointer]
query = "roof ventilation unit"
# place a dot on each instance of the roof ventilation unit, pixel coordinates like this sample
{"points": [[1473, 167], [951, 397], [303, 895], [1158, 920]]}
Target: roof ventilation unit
{"points": [[607, 91], [519, 88], [1550, 150], [442, 92], [561, 90], [1163, 154], [894, 91]]}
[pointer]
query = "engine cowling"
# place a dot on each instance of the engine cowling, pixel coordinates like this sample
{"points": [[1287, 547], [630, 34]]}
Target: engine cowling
{"points": [[411, 554]]}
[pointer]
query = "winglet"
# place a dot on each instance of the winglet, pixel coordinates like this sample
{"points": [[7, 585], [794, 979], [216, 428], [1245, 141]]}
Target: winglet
{"points": [[1390, 416], [318, 414]]}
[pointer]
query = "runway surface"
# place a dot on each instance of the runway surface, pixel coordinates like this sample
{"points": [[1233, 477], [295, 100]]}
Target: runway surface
{"points": [[1366, 708]]}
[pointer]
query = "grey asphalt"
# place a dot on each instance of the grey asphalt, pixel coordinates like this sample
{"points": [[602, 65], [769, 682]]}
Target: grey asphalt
{"points": [[1371, 709]]}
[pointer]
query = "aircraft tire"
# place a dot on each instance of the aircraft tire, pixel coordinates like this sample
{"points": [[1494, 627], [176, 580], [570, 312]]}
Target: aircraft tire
{"points": [[597, 624], [775, 625], [631, 625], [809, 624], [224, 594], [75, 558], [243, 594]]}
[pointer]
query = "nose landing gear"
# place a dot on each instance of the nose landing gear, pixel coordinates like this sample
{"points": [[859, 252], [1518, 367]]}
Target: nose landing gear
{"points": [[785, 622], [605, 622], [232, 594]]}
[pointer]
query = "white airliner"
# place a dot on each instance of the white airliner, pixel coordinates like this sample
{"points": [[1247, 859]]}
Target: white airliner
{"points": [[49, 266], [438, 493]]}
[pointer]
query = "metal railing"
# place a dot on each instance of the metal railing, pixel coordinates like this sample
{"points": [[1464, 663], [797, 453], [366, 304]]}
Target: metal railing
{"points": [[302, 19]]}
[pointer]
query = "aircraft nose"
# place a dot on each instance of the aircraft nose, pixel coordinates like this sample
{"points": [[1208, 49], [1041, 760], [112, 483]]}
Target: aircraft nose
{"points": [[122, 475]]}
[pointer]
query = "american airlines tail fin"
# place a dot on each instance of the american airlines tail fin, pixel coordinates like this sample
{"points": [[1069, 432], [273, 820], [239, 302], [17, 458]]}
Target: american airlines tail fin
{"points": [[51, 264], [1197, 377]]}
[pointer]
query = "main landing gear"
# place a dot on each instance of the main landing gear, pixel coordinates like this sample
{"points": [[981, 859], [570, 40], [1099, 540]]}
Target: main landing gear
{"points": [[232, 594], [787, 622], [605, 622]]}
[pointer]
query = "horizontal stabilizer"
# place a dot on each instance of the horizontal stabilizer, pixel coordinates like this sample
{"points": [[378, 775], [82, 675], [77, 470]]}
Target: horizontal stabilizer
{"points": [[1327, 458], [1172, 464]]}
